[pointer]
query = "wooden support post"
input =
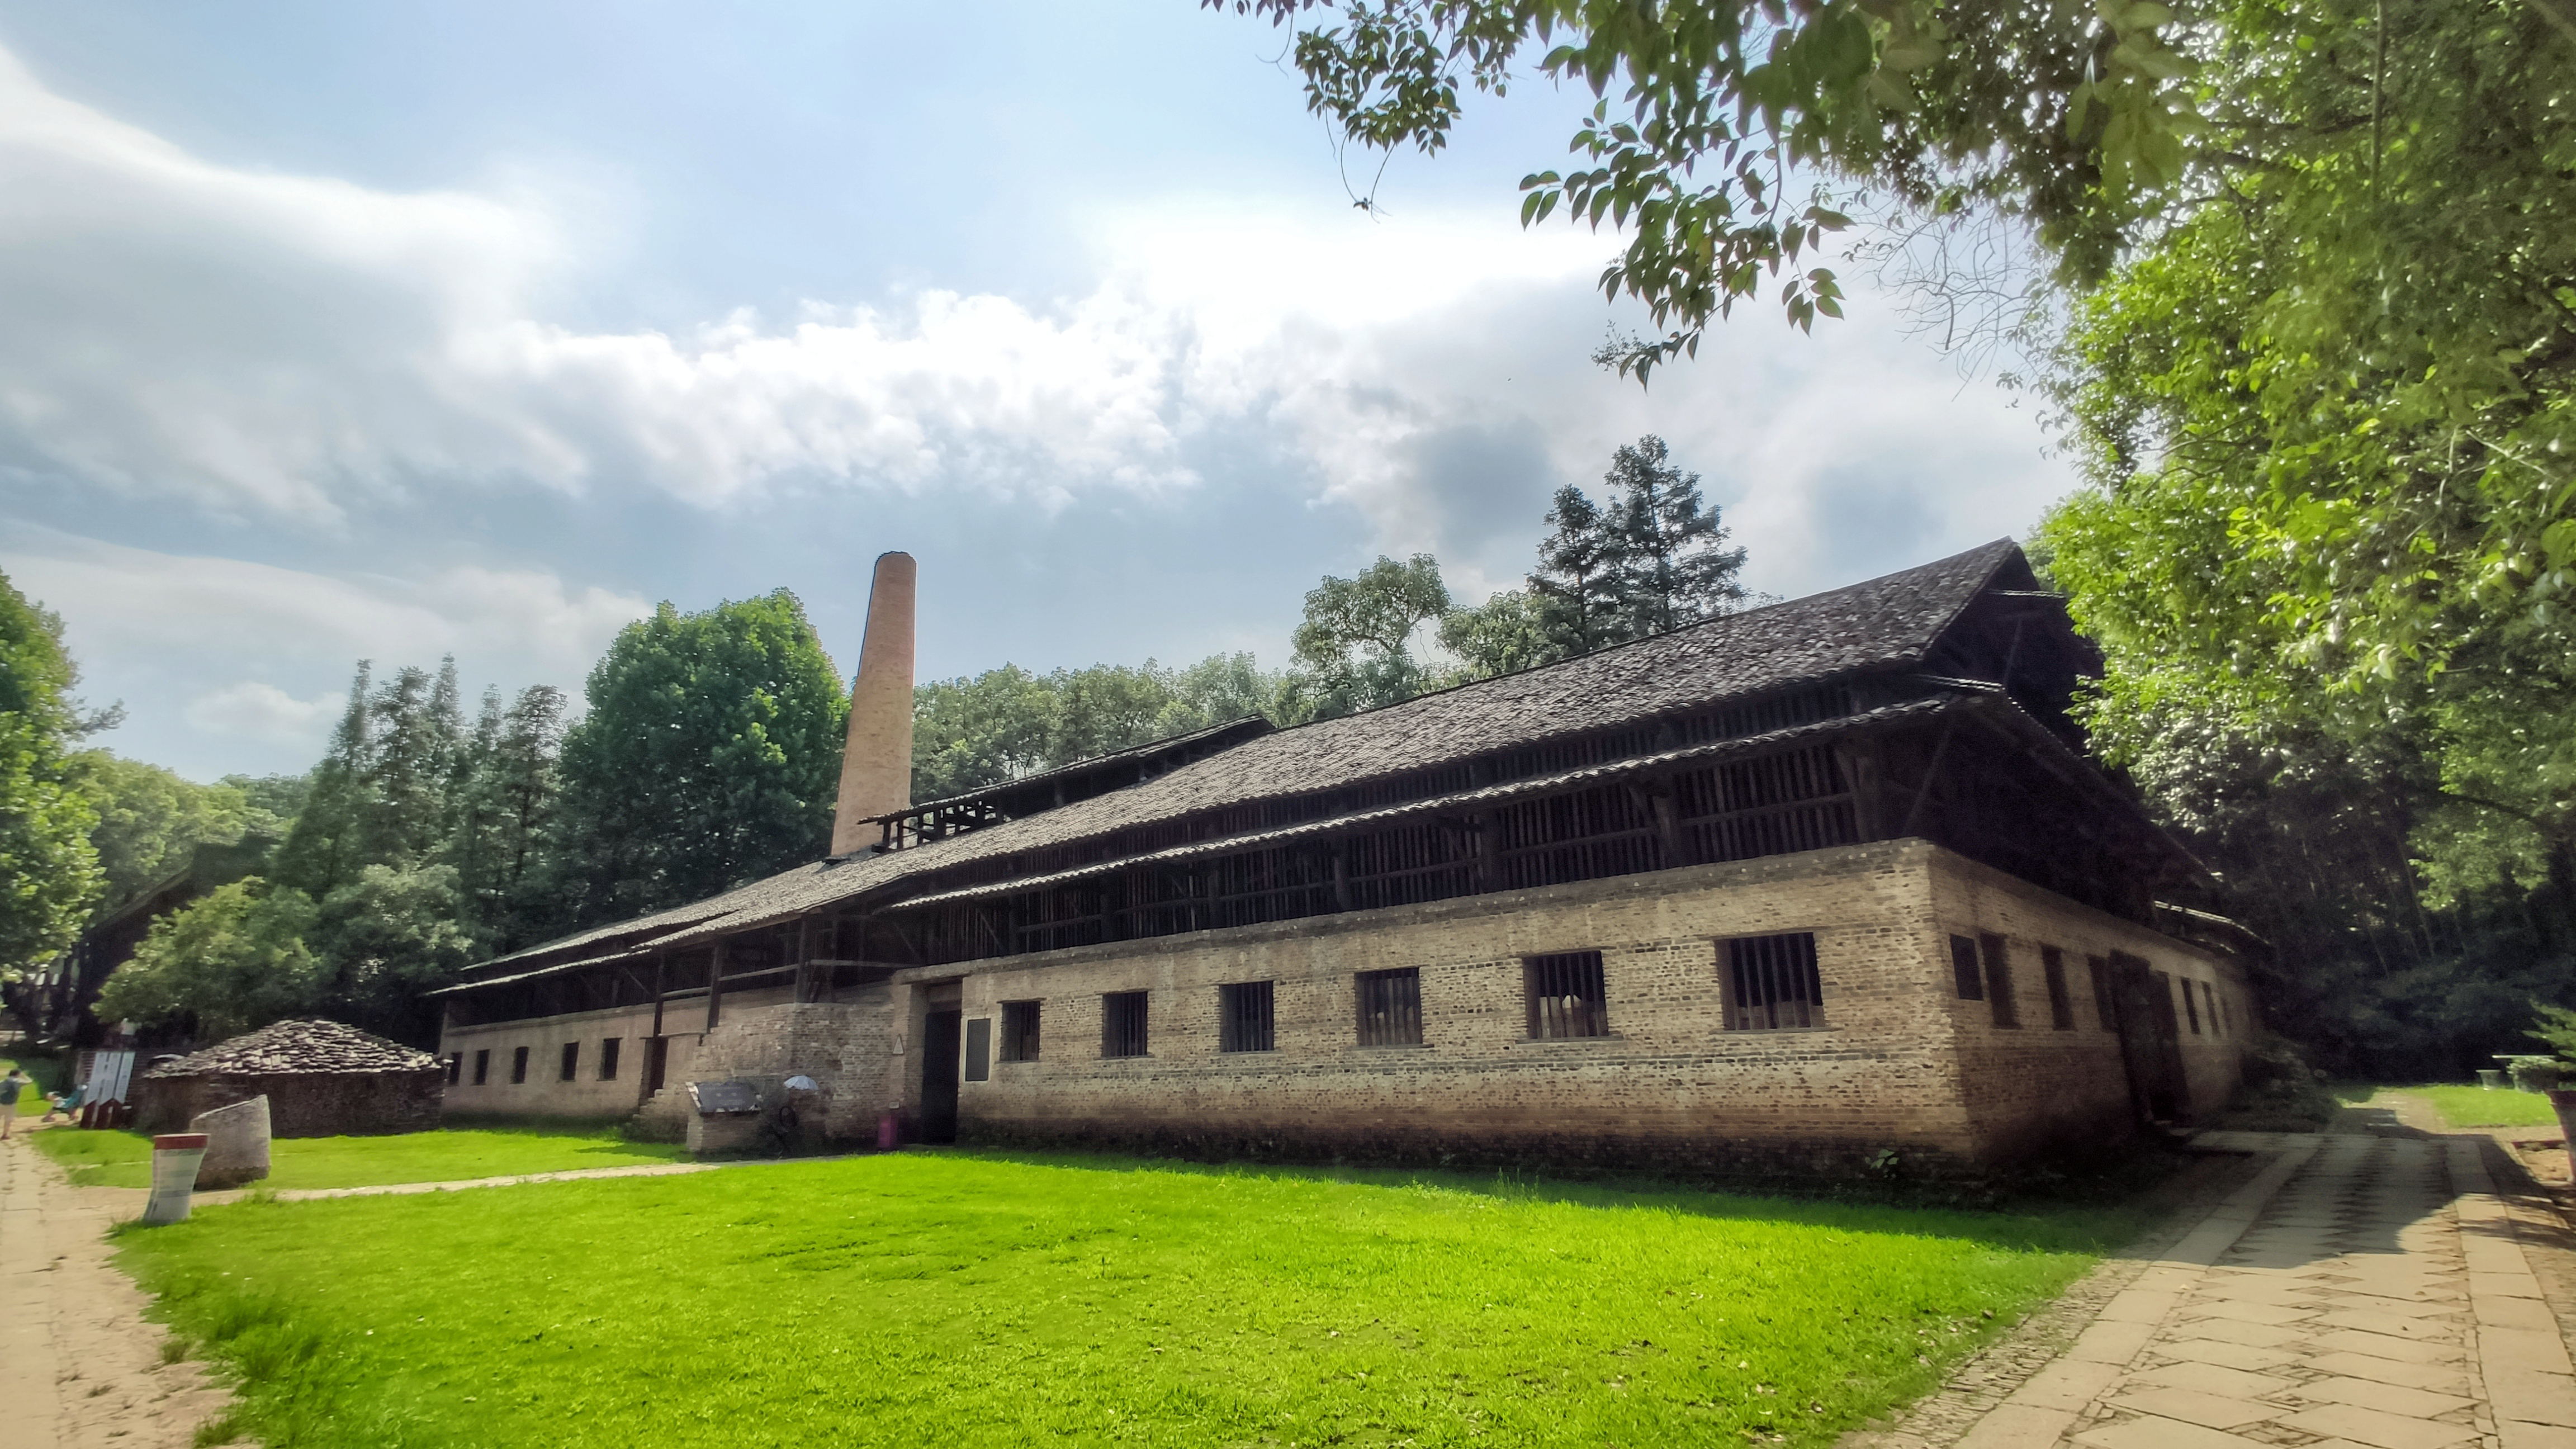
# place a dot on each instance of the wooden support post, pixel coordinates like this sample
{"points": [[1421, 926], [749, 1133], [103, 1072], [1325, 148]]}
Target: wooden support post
{"points": [[661, 961], [715, 982], [1341, 875], [1668, 824]]}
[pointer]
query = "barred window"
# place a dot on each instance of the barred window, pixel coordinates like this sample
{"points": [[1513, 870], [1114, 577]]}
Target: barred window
{"points": [[1122, 1024], [608, 1049], [2061, 1005], [1771, 983], [979, 1049], [1964, 970], [482, 1066], [518, 1065], [1390, 1005], [1243, 1017], [1019, 1031], [1567, 995], [1999, 984], [2104, 1009]]}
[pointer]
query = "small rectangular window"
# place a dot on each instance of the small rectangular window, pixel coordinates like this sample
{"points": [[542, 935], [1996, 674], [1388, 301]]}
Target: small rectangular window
{"points": [[608, 1050], [455, 1067], [2061, 1004], [1999, 986], [1770, 983], [571, 1061], [2209, 999], [2190, 1003], [1390, 1007], [518, 1066], [2105, 1009], [1122, 1024], [979, 1049], [1566, 994], [1019, 1031], [1964, 970], [1244, 1022], [482, 1066]]}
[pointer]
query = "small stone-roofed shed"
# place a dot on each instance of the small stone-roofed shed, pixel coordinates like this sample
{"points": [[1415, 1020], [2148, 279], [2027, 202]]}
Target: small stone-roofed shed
{"points": [[321, 1078]]}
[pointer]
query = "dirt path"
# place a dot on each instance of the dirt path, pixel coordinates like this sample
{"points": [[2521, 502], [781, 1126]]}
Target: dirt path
{"points": [[79, 1366]]}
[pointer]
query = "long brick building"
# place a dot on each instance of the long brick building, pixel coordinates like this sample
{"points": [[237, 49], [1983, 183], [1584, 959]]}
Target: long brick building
{"points": [[1788, 889]]}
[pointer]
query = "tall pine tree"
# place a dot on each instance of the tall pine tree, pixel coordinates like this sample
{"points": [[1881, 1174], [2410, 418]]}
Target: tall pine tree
{"points": [[1669, 562]]}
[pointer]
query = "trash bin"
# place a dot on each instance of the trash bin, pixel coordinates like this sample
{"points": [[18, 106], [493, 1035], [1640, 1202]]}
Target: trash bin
{"points": [[175, 1158]]}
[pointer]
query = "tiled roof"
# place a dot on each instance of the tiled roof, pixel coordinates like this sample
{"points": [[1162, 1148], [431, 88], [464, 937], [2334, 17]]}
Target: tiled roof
{"points": [[1885, 623], [305, 1045]]}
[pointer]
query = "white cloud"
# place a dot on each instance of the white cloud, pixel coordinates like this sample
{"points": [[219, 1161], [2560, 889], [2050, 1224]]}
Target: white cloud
{"points": [[298, 346], [130, 602], [265, 713]]}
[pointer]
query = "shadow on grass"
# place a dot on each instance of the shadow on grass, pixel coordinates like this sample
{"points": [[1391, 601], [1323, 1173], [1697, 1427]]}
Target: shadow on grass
{"points": [[2104, 1206]]}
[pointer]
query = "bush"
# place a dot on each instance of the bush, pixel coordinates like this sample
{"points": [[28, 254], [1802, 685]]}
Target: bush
{"points": [[2280, 1092]]}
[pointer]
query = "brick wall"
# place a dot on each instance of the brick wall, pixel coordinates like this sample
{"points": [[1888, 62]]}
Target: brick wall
{"points": [[1900, 1063], [545, 1094], [2029, 1086]]}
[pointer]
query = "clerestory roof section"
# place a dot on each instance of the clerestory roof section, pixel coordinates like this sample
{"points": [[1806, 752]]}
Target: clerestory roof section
{"points": [[1886, 624]]}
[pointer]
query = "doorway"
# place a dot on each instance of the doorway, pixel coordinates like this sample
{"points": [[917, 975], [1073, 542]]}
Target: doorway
{"points": [[2150, 1040], [939, 1057], [657, 1064]]}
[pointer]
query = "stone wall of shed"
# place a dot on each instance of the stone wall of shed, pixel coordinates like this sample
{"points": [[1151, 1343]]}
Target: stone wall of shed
{"points": [[300, 1104], [845, 1045], [1901, 1063], [1669, 1090], [588, 1095], [2038, 1085]]}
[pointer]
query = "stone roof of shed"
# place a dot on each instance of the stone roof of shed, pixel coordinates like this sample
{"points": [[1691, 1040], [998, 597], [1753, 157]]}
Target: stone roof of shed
{"points": [[303, 1046], [1884, 623]]}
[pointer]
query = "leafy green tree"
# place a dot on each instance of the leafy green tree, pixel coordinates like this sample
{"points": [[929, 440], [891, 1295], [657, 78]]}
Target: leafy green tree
{"points": [[1358, 633], [334, 833], [968, 733], [1669, 562], [383, 940], [2069, 117], [509, 781], [1575, 587], [49, 870], [1008, 723], [231, 961], [150, 820], [709, 756], [1514, 630]]}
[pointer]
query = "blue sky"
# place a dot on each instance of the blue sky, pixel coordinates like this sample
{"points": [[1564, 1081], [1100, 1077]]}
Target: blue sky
{"points": [[331, 332]]}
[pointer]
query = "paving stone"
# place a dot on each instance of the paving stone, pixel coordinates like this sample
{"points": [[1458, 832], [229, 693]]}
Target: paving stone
{"points": [[2262, 1335], [2511, 1435], [2111, 1342], [2529, 1314], [2018, 1426], [2225, 1354], [2378, 1429], [2211, 1378], [2531, 1350], [2395, 1325], [2380, 1345], [2247, 1312], [2387, 1397], [2163, 1434], [2066, 1384], [2440, 1378], [2531, 1397], [2216, 1411], [2402, 1307], [2505, 1285]]}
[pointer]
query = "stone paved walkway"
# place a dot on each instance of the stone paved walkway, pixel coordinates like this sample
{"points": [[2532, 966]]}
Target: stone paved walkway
{"points": [[2361, 1291]]}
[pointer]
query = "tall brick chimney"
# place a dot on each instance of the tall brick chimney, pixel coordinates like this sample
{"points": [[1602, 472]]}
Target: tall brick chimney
{"points": [[876, 763]]}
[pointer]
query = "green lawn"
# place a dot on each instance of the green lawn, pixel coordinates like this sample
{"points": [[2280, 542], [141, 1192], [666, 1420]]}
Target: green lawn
{"points": [[2480, 1107], [943, 1298], [123, 1159]]}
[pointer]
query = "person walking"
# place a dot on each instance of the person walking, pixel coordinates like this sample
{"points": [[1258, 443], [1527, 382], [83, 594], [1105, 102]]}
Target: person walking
{"points": [[10, 1088]]}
